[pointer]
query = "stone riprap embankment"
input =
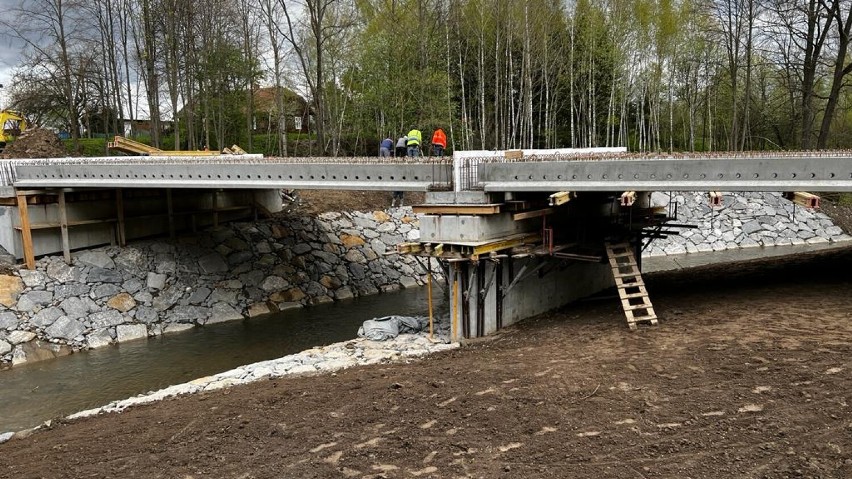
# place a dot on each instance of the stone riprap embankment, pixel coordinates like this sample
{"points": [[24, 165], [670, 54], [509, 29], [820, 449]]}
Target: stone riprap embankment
{"points": [[148, 288], [744, 220], [319, 360]]}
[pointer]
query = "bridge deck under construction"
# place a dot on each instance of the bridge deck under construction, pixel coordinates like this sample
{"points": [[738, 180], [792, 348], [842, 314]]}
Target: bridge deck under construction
{"points": [[772, 171]]}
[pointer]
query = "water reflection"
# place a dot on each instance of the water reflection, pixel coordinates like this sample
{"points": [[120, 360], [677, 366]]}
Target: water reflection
{"points": [[31, 394]]}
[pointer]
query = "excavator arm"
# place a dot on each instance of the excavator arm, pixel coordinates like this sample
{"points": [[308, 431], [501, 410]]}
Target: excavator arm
{"points": [[12, 123]]}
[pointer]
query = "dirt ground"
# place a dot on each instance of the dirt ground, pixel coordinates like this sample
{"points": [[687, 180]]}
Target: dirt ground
{"points": [[320, 201], [35, 143], [748, 375]]}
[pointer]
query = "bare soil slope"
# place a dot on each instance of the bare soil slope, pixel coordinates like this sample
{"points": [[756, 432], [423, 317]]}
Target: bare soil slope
{"points": [[748, 375], [35, 143]]}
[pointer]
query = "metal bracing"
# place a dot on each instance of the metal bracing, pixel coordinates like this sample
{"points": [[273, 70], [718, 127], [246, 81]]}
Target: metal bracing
{"points": [[758, 173]]}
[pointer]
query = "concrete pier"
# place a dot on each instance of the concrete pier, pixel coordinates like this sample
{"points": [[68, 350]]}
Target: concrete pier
{"points": [[488, 295]]}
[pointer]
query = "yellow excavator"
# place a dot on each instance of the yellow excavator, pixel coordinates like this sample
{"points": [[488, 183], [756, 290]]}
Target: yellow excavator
{"points": [[12, 123]]}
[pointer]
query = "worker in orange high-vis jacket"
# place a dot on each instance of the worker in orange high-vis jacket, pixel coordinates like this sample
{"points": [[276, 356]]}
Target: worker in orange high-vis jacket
{"points": [[439, 142]]}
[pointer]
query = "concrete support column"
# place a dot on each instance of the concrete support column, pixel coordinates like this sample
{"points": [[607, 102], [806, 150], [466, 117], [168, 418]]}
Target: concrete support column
{"points": [[488, 295]]}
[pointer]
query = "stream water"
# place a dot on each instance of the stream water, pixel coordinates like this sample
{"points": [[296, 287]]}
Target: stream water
{"points": [[33, 393]]}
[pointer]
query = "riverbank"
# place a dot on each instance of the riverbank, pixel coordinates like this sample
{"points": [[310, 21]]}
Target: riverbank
{"points": [[746, 376], [240, 270]]}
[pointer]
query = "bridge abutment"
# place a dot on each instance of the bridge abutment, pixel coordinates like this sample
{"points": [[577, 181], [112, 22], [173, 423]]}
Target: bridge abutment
{"points": [[488, 295]]}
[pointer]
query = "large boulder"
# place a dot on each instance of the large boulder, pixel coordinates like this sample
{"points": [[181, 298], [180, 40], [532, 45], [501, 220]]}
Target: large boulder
{"points": [[8, 320], [122, 302], [46, 317], [10, 289], [34, 300], [221, 312], [130, 332], [65, 328], [96, 258]]}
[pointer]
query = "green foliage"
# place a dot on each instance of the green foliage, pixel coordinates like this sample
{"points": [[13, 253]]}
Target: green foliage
{"points": [[88, 147]]}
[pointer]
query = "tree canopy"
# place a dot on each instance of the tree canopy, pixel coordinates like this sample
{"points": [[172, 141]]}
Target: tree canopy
{"points": [[651, 75]]}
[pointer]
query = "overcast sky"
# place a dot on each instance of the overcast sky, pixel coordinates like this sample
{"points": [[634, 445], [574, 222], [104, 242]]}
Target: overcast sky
{"points": [[11, 53]]}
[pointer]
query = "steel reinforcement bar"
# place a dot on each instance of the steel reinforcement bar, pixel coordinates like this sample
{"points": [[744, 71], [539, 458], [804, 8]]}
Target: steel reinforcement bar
{"points": [[754, 172]]}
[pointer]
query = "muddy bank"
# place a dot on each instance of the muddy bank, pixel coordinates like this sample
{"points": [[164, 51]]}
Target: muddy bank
{"points": [[743, 378]]}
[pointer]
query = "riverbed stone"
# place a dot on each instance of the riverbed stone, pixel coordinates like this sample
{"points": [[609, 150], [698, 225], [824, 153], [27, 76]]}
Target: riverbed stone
{"points": [[351, 241], [32, 278], [20, 337], [132, 259], [122, 302], [74, 307], [146, 314], [256, 276], [65, 328], [212, 263], [344, 293], [199, 295], [177, 327], [62, 272], [240, 257], [258, 309], [330, 282], [156, 281], [96, 258], [105, 319], [99, 339], [38, 350], [292, 295], [274, 283], [5, 347], [188, 314], [68, 290], [221, 312], [8, 320], [10, 289], [103, 275], [358, 271], [46, 317], [355, 256], [168, 297], [166, 265], [230, 284], [34, 300], [130, 332], [104, 290], [408, 282], [301, 248]]}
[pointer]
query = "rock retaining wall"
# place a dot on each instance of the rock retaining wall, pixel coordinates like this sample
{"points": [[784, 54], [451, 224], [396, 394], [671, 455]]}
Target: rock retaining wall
{"points": [[148, 288], [744, 220]]}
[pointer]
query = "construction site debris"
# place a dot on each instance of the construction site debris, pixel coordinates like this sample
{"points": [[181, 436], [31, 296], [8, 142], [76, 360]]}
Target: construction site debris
{"points": [[35, 143]]}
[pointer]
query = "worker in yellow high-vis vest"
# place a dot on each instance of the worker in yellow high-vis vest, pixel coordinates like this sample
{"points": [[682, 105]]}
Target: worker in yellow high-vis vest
{"points": [[415, 138]]}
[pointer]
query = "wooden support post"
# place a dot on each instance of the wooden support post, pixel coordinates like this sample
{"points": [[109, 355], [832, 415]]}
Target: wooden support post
{"points": [[26, 233], [455, 306], [119, 214], [171, 211], [63, 227], [429, 292], [215, 208]]}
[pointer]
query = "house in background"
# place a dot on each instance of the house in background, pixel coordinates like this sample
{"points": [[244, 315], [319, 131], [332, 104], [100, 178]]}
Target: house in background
{"points": [[297, 111]]}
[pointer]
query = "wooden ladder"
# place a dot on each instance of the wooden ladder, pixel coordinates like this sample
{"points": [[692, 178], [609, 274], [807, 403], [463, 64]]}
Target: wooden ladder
{"points": [[631, 289]]}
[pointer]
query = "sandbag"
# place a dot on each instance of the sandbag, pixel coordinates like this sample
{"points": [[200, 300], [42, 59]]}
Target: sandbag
{"points": [[389, 327]]}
